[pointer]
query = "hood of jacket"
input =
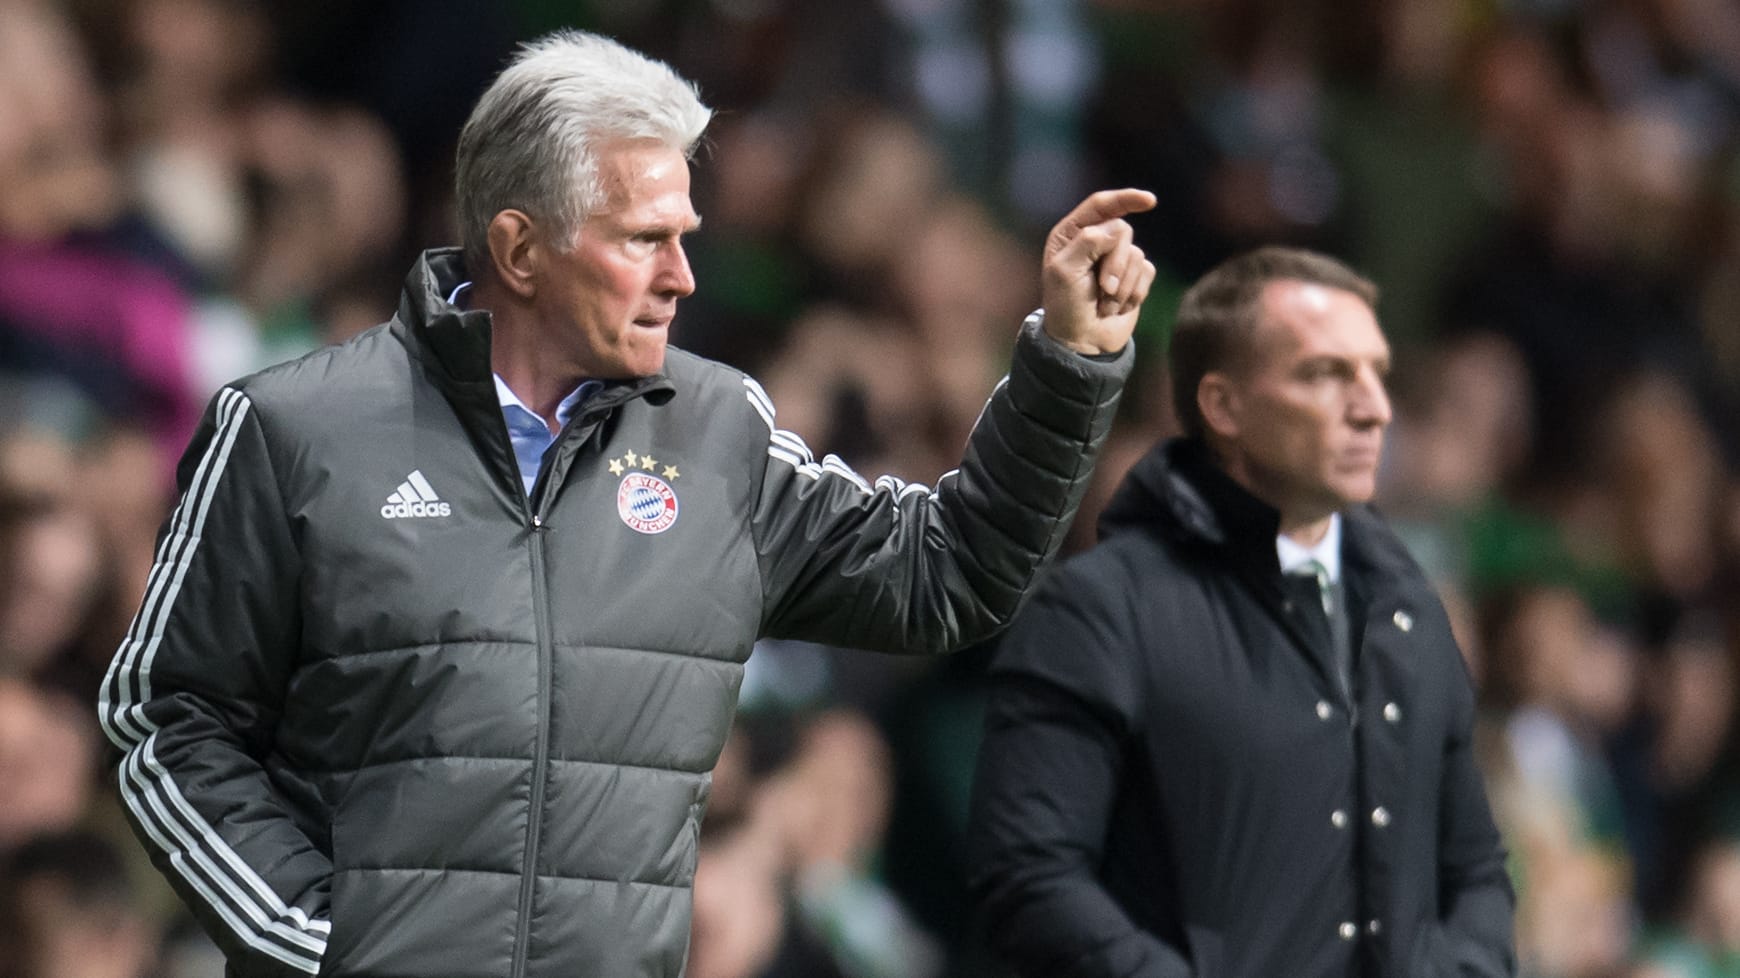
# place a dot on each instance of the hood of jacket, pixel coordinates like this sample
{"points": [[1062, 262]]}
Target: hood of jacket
{"points": [[1179, 491]]}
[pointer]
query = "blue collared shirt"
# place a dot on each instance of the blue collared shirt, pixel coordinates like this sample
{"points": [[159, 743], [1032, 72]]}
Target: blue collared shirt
{"points": [[530, 436], [527, 432]]}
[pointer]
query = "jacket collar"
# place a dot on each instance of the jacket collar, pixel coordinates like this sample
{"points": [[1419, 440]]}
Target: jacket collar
{"points": [[453, 346], [459, 340], [1180, 491]]}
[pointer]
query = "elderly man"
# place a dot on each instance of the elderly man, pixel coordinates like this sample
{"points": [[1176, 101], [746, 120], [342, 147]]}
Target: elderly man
{"points": [[445, 636], [1234, 739]]}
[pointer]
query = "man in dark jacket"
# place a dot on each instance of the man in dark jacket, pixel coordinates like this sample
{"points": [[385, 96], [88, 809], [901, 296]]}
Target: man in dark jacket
{"points": [[445, 635], [1234, 739]]}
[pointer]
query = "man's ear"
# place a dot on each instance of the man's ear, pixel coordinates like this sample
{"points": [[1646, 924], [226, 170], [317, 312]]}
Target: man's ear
{"points": [[1217, 398], [515, 252]]}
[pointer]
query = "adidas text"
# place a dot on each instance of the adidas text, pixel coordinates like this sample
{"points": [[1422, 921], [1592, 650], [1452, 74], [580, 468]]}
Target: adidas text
{"points": [[401, 511], [415, 498]]}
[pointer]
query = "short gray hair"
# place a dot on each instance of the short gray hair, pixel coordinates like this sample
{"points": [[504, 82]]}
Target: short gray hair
{"points": [[531, 142]]}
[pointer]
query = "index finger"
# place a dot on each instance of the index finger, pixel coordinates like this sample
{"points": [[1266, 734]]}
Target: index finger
{"points": [[1105, 206]]}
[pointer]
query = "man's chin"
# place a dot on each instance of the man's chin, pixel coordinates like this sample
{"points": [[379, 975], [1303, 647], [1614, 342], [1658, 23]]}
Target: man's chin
{"points": [[1354, 491], [652, 364], [642, 364]]}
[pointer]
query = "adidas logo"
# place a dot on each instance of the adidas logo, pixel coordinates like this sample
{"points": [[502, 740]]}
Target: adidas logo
{"points": [[415, 497]]}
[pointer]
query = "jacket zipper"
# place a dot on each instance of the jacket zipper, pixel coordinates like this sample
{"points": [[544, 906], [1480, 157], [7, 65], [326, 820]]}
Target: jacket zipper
{"points": [[541, 755], [535, 507]]}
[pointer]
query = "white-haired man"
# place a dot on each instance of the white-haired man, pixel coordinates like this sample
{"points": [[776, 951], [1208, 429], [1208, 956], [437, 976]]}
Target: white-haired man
{"points": [[446, 633]]}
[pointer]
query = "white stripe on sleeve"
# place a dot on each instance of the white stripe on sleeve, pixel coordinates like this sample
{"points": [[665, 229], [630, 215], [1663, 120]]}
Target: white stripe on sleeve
{"points": [[216, 872], [117, 709]]}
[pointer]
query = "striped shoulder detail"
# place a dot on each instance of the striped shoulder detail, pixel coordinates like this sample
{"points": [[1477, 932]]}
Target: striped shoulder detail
{"points": [[231, 889], [127, 685], [789, 448], [902, 488], [759, 400]]}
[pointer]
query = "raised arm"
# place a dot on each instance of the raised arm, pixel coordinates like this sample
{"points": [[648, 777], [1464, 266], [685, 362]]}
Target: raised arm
{"points": [[900, 567]]}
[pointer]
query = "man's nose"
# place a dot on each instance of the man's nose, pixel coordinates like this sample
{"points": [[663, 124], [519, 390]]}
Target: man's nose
{"points": [[1370, 405], [676, 279]]}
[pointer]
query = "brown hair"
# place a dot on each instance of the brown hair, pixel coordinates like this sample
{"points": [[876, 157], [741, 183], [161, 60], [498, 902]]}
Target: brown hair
{"points": [[1217, 318]]}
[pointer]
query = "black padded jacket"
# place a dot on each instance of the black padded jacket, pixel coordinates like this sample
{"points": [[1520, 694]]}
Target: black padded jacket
{"points": [[1174, 785]]}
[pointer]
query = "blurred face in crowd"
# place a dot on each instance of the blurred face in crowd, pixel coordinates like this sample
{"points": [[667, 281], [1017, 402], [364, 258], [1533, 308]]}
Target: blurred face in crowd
{"points": [[46, 759], [65, 936], [608, 302], [1300, 421]]}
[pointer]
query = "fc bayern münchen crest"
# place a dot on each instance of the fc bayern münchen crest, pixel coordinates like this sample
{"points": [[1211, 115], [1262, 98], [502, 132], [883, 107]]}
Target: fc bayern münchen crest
{"points": [[646, 503]]}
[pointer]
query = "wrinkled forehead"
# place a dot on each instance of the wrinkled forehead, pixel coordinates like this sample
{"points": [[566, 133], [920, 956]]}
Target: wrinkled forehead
{"points": [[637, 171]]}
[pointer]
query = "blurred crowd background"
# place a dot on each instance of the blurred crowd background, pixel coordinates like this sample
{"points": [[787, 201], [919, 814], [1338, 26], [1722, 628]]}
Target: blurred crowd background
{"points": [[1548, 192]]}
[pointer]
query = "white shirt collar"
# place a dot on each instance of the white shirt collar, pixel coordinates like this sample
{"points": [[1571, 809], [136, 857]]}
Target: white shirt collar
{"points": [[1327, 551]]}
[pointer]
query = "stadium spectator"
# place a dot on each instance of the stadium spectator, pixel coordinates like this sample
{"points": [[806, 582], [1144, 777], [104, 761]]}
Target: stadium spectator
{"points": [[47, 762], [69, 910]]}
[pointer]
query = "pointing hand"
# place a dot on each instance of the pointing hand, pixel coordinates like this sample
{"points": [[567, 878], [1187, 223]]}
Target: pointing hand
{"points": [[1093, 278]]}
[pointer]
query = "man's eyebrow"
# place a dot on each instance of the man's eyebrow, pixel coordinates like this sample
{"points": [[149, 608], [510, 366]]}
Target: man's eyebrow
{"points": [[1381, 359], [681, 227], [670, 229]]}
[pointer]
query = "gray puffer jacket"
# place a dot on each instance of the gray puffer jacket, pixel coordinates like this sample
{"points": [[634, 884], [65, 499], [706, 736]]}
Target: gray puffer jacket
{"points": [[383, 715]]}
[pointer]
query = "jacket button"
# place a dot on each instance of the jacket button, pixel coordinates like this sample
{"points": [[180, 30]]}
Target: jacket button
{"points": [[1348, 930], [1392, 713], [1380, 816], [1324, 710], [1372, 927], [1404, 621], [1338, 818]]}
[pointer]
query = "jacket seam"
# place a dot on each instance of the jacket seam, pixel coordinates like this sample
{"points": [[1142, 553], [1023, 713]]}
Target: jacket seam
{"points": [[765, 459], [259, 417], [558, 647], [372, 765], [444, 870]]}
